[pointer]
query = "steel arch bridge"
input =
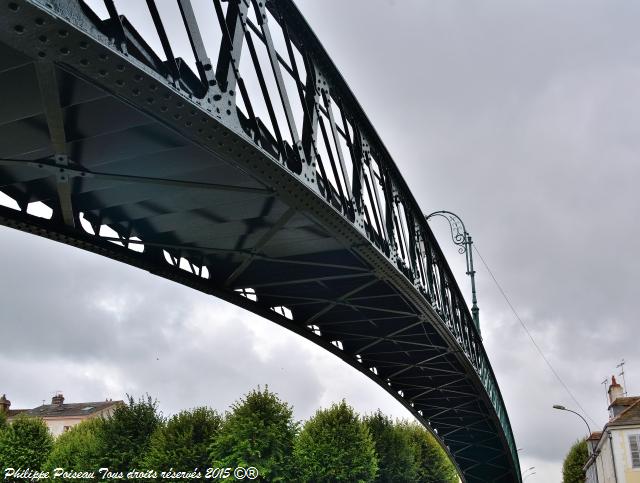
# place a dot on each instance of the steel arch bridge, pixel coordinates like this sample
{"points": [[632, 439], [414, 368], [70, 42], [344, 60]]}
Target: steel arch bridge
{"points": [[245, 169]]}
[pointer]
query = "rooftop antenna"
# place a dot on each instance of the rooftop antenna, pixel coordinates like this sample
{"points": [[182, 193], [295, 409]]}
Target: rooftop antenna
{"points": [[606, 391], [624, 381]]}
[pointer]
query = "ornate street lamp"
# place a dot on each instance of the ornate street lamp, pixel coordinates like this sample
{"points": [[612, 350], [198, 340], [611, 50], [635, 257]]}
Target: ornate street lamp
{"points": [[463, 240]]}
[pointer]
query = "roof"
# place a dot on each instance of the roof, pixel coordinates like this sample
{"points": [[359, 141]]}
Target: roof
{"points": [[14, 412], [629, 416], [595, 436], [70, 410], [625, 401]]}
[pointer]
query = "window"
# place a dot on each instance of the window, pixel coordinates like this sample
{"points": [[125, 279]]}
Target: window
{"points": [[634, 444]]}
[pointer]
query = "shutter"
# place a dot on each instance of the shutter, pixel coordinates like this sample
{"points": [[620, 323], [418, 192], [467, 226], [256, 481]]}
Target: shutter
{"points": [[634, 444]]}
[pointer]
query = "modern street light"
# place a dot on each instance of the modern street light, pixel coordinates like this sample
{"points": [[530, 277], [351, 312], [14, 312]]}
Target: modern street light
{"points": [[562, 408], [530, 474], [461, 237]]}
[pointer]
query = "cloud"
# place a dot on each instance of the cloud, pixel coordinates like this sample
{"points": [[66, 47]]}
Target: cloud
{"points": [[522, 117], [97, 329]]}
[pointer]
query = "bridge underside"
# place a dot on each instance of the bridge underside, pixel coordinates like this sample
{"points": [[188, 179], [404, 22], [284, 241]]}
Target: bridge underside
{"points": [[152, 180]]}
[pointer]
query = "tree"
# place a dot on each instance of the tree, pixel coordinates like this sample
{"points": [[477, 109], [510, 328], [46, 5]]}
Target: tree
{"points": [[574, 462], [126, 435], [396, 456], [259, 431], [335, 445], [183, 442], [79, 448], [433, 464], [25, 443], [3, 420]]}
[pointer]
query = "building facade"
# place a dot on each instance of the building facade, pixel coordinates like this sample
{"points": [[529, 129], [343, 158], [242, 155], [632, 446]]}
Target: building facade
{"points": [[614, 452], [61, 417]]}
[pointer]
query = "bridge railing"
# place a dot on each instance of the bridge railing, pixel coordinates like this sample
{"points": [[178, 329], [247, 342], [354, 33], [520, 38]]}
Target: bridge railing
{"points": [[270, 79]]}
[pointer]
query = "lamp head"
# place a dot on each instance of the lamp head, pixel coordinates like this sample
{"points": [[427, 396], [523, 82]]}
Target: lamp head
{"points": [[558, 406]]}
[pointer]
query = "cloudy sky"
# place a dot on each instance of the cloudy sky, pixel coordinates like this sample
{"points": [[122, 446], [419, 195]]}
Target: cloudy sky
{"points": [[522, 117]]}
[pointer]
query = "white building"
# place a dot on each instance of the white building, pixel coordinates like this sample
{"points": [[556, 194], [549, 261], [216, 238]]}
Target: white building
{"points": [[614, 452], [61, 417]]}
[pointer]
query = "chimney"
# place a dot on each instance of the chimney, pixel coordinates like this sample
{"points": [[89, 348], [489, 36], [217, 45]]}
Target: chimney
{"points": [[615, 390], [5, 404], [617, 401], [57, 400]]}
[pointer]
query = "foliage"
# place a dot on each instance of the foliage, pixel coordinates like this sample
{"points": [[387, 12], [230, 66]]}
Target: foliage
{"points": [[25, 443], [574, 462], [335, 445], [259, 431], [77, 449], [396, 457], [182, 443], [126, 435], [3, 420], [433, 464]]}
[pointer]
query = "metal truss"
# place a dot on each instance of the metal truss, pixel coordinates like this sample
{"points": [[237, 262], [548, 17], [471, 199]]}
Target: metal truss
{"points": [[250, 173]]}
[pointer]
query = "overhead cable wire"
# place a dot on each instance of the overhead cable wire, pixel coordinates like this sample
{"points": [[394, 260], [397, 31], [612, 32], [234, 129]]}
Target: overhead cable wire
{"points": [[533, 341]]}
